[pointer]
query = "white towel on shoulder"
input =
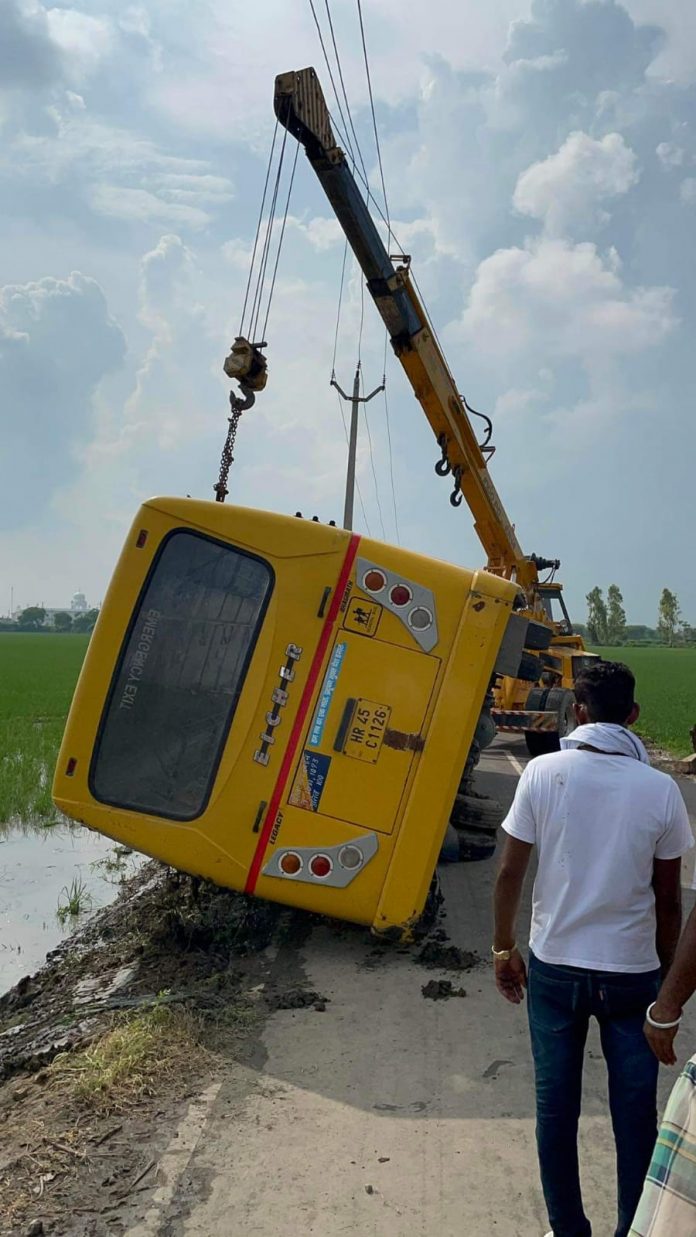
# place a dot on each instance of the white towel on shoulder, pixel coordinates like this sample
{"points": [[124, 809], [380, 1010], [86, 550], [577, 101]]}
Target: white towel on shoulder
{"points": [[608, 737]]}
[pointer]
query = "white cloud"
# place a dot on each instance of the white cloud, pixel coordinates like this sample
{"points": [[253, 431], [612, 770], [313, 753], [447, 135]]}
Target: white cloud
{"points": [[670, 155], [57, 342], [565, 190], [140, 206], [687, 191], [84, 39], [563, 300]]}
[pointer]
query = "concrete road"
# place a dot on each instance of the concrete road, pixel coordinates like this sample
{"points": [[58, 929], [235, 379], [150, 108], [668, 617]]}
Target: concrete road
{"points": [[389, 1114]]}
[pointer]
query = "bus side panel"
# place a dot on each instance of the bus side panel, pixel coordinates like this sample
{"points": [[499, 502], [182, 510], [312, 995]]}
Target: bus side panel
{"points": [[449, 738]]}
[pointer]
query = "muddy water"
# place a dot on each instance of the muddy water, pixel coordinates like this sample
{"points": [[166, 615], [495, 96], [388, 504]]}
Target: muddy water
{"points": [[37, 866]]}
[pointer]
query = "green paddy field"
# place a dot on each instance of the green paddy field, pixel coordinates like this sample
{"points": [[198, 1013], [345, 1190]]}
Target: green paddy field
{"points": [[38, 675]]}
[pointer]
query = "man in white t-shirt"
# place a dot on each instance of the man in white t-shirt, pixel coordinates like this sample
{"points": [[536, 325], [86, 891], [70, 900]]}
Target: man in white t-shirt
{"points": [[610, 832]]}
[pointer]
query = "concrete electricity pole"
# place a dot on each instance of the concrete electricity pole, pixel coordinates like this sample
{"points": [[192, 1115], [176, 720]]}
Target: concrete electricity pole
{"points": [[355, 400]]}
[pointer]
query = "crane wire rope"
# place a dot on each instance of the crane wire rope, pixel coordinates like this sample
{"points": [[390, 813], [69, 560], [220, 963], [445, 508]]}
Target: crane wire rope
{"points": [[260, 282], [280, 240], [258, 229]]}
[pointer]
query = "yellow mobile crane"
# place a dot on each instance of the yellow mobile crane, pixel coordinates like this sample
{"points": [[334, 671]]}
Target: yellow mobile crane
{"points": [[539, 702]]}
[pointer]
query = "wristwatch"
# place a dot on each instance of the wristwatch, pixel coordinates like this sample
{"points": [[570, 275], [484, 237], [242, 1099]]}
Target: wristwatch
{"points": [[503, 955]]}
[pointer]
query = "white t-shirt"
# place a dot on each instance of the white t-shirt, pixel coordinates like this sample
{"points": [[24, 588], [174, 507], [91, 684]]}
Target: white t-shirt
{"points": [[598, 822]]}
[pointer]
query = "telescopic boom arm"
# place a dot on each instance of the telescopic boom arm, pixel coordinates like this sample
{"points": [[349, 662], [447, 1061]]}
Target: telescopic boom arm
{"points": [[300, 106]]}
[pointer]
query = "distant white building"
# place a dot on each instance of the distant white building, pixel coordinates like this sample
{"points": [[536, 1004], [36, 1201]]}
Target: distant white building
{"points": [[78, 605]]}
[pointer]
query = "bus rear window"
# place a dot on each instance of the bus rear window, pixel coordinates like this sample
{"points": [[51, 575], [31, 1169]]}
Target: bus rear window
{"points": [[179, 677]]}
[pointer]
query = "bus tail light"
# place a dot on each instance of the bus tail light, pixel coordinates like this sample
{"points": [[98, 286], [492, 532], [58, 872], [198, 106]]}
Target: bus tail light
{"points": [[320, 866], [290, 863], [335, 866], [400, 595], [350, 857]]}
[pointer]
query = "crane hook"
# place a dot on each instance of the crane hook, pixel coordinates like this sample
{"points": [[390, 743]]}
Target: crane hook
{"points": [[456, 496], [443, 467]]}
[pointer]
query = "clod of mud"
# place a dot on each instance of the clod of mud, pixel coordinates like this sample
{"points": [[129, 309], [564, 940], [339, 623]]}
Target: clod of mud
{"points": [[435, 954], [441, 990], [299, 998]]}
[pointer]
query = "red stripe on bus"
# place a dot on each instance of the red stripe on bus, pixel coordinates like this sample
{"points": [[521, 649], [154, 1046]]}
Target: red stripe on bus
{"points": [[298, 725]]}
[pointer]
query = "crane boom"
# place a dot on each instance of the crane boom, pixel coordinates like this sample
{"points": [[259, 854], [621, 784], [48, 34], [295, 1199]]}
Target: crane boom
{"points": [[301, 107]]}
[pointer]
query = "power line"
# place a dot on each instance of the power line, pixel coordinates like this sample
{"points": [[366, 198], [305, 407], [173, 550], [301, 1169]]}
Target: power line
{"points": [[340, 300], [374, 118], [343, 87], [333, 83], [372, 461], [389, 441]]}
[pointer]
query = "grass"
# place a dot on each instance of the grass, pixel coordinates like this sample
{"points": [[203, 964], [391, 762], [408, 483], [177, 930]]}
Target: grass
{"points": [[133, 1059], [666, 689], [38, 674], [73, 900]]}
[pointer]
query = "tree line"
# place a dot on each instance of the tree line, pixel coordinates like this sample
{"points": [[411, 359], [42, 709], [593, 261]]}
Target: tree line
{"points": [[607, 625], [34, 619]]}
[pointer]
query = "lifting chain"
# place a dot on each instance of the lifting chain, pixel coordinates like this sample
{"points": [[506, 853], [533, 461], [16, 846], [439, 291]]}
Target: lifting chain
{"points": [[247, 365], [227, 458]]}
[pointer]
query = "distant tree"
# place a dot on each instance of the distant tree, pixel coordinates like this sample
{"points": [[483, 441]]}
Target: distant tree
{"points": [[85, 622], [32, 618], [689, 633], [638, 631], [62, 621], [616, 615], [597, 619], [669, 617]]}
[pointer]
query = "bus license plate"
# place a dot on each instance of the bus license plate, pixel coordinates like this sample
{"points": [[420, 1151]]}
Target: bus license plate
{"points": [[367, 729]]}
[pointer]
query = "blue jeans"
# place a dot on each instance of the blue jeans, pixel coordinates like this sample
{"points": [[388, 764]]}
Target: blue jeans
{"points": [[561, 1000]]}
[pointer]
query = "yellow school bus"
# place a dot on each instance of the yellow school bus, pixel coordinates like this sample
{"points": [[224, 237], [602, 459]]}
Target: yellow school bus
{"points": [[282, 707]]}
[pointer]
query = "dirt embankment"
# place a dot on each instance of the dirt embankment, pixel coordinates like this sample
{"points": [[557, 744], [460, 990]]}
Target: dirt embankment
{"points": [[102, 1050]]}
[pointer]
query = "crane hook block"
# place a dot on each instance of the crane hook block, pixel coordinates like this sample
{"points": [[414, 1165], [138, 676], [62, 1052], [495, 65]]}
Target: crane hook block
{"points": [[247, 365]]}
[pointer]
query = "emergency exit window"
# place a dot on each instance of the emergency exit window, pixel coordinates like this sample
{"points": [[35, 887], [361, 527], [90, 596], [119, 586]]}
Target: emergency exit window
{"points": [[179, 677]]}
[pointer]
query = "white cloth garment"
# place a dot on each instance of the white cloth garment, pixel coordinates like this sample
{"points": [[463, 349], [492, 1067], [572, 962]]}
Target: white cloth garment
{"points": [[598, 821], [608, 737]]}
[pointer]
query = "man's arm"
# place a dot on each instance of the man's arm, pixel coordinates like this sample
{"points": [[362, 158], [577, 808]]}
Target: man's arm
{"points": [[676, 990], [668, 908], [510, 977]]}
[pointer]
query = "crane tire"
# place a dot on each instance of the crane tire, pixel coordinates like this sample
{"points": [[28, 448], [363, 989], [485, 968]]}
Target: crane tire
{"points": [[538, 636]]}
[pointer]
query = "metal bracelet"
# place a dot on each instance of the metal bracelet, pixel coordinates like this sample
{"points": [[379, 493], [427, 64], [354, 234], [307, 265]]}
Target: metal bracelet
{"points": [[660, 1026]]}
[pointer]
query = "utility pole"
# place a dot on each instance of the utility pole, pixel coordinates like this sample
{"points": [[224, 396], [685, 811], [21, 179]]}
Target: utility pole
{"points": [[355, 400]]}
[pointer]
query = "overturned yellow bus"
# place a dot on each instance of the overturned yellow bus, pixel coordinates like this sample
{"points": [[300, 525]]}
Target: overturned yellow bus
{"points": [[283, 707]]}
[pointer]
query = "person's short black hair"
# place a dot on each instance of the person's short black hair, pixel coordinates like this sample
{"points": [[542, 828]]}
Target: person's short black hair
{"points": [[606, 688]]}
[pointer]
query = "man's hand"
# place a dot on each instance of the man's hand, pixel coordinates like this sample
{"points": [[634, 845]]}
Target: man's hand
{"points": [[511, 977], [662, 1042]]}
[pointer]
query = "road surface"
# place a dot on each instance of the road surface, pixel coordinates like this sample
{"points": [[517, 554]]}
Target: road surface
{"points": [[389, 1114]]}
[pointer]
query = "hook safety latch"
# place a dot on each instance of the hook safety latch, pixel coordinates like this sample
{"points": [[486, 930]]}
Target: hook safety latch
{"points": [[456, 496], [443, 467]]}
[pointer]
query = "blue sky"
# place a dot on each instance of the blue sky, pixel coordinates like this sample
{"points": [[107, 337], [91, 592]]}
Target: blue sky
{"points": [[540, 161]]}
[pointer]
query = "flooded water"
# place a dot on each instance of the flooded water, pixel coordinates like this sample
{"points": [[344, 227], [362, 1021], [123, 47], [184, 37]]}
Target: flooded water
{"points": [[37, 868]]}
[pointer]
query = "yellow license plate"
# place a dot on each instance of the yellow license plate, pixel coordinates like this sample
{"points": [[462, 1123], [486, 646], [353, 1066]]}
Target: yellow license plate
{"points": [[366, 731]]}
